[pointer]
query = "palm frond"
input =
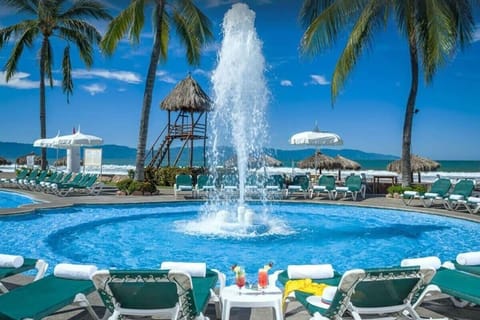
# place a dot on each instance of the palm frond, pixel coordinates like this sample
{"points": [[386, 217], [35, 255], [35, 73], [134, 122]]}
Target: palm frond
{"points": [[26, 39], [86, 9], [16, 30], [67, 81], [311, 9], [361, 36], [191, 43], [120, 25], [199, 23], [82, 27], [323, 31], [84, 46], [463, 20], [22, 6]]}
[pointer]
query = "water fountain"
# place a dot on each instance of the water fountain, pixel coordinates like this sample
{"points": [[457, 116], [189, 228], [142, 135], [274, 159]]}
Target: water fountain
{"points": [[238, 121]]}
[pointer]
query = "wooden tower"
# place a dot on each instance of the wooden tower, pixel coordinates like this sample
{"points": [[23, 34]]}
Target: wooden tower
{"points": [[187, 106]]}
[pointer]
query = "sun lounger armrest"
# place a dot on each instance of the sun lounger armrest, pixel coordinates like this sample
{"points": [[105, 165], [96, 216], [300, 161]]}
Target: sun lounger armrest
{"points": [[272, 279], [222, 279]]}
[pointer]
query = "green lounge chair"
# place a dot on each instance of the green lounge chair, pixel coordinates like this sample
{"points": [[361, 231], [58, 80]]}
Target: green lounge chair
{"points": [[371, 292], [274, 186], [154, 292], [353, 186], [28, 264], [20, 176], [183, 182], [300, 184], [438, 190], [461, 191], [282, 276], [326, 184], [45, 296], [229, 184], [472, 204], [204, 186], [460, 286]]}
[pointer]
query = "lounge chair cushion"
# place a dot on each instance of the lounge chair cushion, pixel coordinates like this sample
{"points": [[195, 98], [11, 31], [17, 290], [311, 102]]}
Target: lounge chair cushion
{"points": [[41, 298], [458, 284], [469, 258], [28, 264]]}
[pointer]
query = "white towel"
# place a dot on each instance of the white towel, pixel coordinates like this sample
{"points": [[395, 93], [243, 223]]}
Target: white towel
{"points": [[469, 258], [74, 271], [455, 197], [328, 294], [425, 262], [194, 269], [10, 261], [310, 271], [474, 200], [411, 193]]}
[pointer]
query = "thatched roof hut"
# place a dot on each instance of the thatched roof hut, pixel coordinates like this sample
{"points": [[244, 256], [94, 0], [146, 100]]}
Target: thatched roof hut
{"points": [[418, 165], [187, 96], [256, 162], [318, 161], [347, 164]]}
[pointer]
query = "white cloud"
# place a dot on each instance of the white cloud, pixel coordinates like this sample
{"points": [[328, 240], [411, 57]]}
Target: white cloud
{"points": [[476, 34], [202, 72], [165, 77], [217, 3], [20, 81], [124, 76], [318, 80], [95, 88], [286, 83]]}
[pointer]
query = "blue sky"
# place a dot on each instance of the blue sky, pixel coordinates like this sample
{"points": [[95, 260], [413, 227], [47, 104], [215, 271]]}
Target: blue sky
{"points": [[368, 114]]}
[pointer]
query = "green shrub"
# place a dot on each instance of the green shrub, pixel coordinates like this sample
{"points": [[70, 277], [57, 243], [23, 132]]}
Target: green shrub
{"points": [[395, 189], [124, 185], [399, 189]]}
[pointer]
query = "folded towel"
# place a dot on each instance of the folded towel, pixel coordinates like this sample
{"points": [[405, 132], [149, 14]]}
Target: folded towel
{"points": [[469, 258], [425, 262], [10, 261], [431, 195], [194, 269], [328, 294], [304, 285], [411, 193], [74, 271], [456, 197], [312, 271], [474, 199]]}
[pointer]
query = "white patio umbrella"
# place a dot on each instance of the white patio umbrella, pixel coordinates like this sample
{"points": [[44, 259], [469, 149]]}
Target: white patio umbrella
{"points": [[78, 139], [316, 138]]}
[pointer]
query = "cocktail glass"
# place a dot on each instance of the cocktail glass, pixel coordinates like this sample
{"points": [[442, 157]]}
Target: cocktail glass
{"points": [[240, 279], [262, 278]]}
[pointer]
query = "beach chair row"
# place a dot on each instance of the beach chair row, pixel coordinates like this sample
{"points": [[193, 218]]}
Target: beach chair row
{"points": [[180, 290], [176, 290], [272, 187], [59, 183], [442, 192]]}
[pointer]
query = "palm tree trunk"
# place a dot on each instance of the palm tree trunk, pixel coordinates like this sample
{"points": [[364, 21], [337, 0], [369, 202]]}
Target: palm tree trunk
{"points": [[147, 100], [408, 122], [43, 116]]}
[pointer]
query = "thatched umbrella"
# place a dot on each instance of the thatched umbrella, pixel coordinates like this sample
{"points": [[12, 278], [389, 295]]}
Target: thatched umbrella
{"points": [[256, 162], [418, 165], [345, 164], [187, 96], [319, 160]]}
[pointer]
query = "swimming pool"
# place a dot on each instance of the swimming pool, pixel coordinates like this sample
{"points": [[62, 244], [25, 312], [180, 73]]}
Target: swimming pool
{"points": [[142, 236], [13, 199]]}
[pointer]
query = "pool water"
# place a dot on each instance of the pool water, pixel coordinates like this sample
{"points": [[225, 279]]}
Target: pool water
{"points": [[13, 200], [142, 236]]}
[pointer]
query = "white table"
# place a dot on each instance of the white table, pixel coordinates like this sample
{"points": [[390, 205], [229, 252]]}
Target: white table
{"points": [[270, 297]]}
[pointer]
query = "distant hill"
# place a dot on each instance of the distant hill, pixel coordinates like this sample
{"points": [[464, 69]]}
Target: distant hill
{"points": [[121, 155]]}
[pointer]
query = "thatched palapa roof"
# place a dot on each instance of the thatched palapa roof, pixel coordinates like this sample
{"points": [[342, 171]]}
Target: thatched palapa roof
{"points": [[256, 162], [346, 164], [418, 164], [187, 96], [318, 160]]}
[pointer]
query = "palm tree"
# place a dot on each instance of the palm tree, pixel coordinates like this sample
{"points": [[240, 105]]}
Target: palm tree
{"points": [[51, 18], [193, 28], [434, 29]]}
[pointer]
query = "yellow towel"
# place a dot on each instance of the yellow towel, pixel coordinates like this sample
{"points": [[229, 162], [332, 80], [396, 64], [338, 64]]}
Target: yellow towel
{"points": [[305, 285]]}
